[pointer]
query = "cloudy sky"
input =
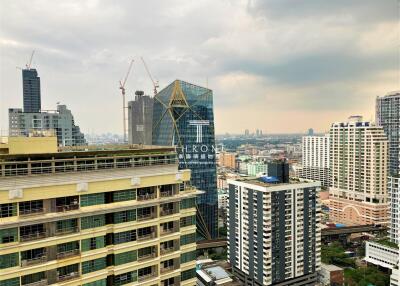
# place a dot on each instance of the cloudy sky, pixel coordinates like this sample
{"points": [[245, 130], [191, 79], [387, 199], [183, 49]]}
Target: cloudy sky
{"points": [[276, 65]]}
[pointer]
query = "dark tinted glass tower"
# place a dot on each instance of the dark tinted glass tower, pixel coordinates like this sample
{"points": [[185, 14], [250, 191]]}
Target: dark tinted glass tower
{"points": [[31, 90], [183, 116]]}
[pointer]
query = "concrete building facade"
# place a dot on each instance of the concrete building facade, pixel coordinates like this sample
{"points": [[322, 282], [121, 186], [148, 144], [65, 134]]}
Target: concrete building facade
{"points": [[358, 165], [94, 216], [60, 120], [315, 159], [140, 119], [274, 236], [227, 160]]}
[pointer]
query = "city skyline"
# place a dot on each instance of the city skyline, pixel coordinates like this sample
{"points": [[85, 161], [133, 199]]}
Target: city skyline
{"points": [[271, 62]]}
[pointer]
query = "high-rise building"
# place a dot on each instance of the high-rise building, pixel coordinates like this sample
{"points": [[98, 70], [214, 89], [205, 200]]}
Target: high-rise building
{"points": [[279, 169], [315, 159], [274, 236], [140, 119], [358, 164], [60, 120], [94, 216], [310, 132], [183, 116], [247, 132], [388, 116], [227, 160], [31, 90]]}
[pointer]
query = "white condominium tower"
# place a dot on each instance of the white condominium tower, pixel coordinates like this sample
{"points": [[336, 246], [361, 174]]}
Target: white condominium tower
{"points": [[358, 163], [274, 237], [315, 159]]}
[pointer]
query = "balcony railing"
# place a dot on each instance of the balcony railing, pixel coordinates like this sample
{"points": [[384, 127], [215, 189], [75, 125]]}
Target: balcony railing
{"points": [[146, 277], [68, 230], [33, 261], [146, 197], [31, 211], [168, 212], [166, 194], [66, 208], [169, 230], [167, 269], [33, 236], [69, 253], [68, 276], [143, 217], [147, 256], [146, 236], [42, 282], [167, 250]]}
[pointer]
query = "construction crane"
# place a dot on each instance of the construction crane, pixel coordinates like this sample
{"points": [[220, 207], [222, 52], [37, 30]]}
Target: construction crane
{"points": [[28, 65], [122, 88], [155, 83]]}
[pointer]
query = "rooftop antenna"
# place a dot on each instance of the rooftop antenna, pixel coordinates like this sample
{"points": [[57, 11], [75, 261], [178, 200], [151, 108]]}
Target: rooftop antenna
{"points": [[122, 88], [155, 83]]}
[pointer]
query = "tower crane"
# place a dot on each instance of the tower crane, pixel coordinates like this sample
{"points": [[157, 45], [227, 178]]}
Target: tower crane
{"points": [[155, 83], [28, 65], [122, 88]]}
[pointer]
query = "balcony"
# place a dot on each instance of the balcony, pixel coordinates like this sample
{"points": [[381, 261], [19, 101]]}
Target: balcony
{"points": [[69, 276], [143, 217], [29, 212], [33, 236], [167, 212], [146, 236], [145, 277], [166, 194], [146, 197], [69, 253], [145, 257], [66, 208], [68, 230], [33, 261], [167, 269]]}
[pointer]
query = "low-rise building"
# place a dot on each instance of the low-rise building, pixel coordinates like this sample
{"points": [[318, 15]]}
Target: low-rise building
{"points": [[330, 275], [383, 254]]}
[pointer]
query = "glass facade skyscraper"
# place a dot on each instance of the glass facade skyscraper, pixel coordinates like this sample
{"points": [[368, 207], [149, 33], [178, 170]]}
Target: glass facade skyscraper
{"points": [[31, 90], [183, 116]]}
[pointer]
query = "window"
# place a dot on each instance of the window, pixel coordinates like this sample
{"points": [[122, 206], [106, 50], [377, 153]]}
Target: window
{"points": [[93, 221], [188, 238], [188, 256], [30, 207], [67, 247], [67, 225], [32, 278], [93, 243], [10, 282], [125, 278], [9, 260], [145, 231], [125, 216], [125, 257], [68, 270], [92, 199], [126, 195], [102, 282], [146, 251], [188, 274], [125, 236], [31, 230], [188, 203], [145, 271], [8, 235], [7, 210], [33, 253], [188, 220], [94, 265]]}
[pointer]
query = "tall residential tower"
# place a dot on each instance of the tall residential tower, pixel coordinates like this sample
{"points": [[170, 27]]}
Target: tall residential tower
{"points": [[140, 119], [358, 163], [31, 90]]}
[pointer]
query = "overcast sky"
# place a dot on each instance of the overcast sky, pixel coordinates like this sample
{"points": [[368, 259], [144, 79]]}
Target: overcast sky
{"points": [[276, 65]]}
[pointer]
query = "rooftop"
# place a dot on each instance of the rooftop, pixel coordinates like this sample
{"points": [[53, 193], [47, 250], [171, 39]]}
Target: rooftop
{"points": [[256, 181]]}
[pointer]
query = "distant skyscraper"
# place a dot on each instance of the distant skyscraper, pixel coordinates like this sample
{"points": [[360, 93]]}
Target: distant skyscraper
{"points": [[315, 159], [310, 132], [183, 116], [247, 132], [358, 163], [274, 237], [60, 120], [257, 132], [140, 119], [31, 90], [388, 116]]}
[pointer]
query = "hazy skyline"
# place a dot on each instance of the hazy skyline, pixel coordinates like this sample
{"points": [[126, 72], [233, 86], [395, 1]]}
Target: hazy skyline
{"points": [[276, 65]]}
